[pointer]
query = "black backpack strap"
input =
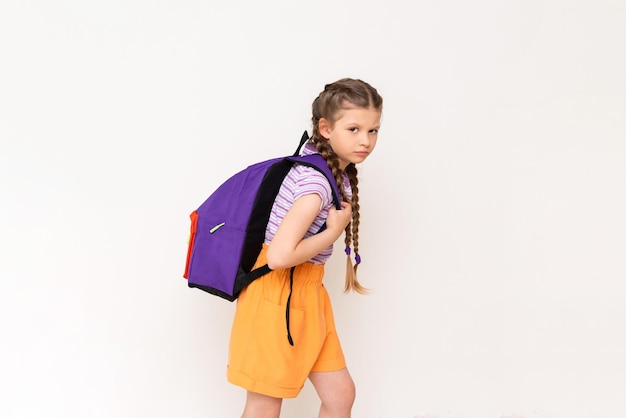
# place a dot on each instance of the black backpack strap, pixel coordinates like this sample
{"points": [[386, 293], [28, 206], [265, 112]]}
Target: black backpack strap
{"points": [[258, 272], [305, 137]]}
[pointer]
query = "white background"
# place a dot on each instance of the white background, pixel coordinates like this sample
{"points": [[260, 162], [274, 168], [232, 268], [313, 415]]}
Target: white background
{"points": [[493, 231]]}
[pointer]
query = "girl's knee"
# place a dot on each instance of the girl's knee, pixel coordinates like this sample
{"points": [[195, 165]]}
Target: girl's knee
{"points": [[336, 391], [350, 392], [342, 398]]}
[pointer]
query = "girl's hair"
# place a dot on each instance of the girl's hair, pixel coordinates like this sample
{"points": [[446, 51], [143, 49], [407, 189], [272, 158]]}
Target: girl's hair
{"points": [[328, 105]]}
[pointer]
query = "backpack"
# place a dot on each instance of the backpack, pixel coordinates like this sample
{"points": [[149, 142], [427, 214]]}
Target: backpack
{"points": [[228, 229]]}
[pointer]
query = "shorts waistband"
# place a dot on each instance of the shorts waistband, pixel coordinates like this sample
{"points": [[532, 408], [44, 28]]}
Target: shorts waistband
{"points": [[307, 272]]}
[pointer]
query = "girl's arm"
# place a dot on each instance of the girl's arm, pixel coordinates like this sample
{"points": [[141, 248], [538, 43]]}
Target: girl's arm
{"points": [[289, 249]]}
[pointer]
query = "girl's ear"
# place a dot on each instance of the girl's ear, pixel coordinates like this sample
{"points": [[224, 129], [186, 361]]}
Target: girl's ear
{"points": [[324, 127]]}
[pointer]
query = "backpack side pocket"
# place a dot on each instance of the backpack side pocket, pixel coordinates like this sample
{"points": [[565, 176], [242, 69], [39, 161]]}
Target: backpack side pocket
{"points": [[192, 237]]}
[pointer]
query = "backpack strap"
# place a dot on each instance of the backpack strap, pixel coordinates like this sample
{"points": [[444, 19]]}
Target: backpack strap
{"points": [[305, 137]]}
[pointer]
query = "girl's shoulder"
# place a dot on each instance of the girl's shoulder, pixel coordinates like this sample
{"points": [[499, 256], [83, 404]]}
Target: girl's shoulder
{"points": [[303, 180]]}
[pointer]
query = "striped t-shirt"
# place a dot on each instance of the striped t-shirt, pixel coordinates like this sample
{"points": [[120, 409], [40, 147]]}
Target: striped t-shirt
{"points": [[302, 180]]}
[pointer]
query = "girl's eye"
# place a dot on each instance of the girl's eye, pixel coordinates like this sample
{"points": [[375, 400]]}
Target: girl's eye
{"points": [[374, 131], [354, 129]]}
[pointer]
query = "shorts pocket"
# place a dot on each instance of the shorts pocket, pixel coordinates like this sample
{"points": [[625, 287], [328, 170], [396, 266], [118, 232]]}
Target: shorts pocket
{"points": [[282, 364]]}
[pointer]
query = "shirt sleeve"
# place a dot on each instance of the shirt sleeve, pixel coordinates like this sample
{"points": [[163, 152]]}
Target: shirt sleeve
{"points": [[308, 180]]}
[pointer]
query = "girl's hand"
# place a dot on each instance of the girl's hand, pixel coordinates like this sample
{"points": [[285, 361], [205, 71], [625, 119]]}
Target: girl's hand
{"points": [[337, 220]]}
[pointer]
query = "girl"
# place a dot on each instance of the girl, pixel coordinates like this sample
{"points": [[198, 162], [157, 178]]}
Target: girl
{"points": [[346, 119]]}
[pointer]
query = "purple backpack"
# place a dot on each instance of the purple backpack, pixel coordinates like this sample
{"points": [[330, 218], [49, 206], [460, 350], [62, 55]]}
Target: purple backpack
{"points": [[228, 229]]}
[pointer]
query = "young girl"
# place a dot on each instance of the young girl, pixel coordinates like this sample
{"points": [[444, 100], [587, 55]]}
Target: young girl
{"points": [[262, 359]]}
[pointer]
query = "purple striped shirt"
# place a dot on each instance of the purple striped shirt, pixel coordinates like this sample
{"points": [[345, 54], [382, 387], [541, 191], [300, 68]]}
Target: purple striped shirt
{"points": [[302, 180]]}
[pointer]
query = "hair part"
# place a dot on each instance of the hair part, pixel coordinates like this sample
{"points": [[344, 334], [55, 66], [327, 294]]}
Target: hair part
{"points": [[330, 104]]}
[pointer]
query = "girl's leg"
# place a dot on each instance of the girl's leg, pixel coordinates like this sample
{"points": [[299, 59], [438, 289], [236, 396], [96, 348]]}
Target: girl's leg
{"points": [[261, 406], [337, 392]]}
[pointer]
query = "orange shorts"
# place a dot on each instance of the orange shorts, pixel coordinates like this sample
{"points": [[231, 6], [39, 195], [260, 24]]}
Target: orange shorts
{"points": [[260, 358]]}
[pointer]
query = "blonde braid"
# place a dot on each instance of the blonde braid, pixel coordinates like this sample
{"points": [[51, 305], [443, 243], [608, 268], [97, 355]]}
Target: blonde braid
{"points": [[353, 284]]}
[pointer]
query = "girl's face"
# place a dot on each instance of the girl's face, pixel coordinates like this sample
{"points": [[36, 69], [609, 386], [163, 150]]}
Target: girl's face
{"points": [[353, 135]]}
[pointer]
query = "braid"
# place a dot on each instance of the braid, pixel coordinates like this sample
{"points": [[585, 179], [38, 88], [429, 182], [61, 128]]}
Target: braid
{"points": [[328, 105], [323, 147], [352, 171]]}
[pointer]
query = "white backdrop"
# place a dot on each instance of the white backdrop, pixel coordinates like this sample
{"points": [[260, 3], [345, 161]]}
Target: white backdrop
{"points": [[493, 208]]}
